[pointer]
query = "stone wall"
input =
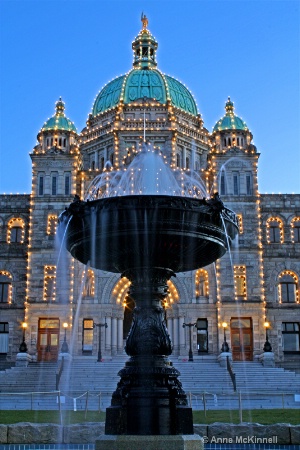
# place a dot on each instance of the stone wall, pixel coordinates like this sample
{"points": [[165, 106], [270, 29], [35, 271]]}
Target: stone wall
{"points": [[31, 433]]}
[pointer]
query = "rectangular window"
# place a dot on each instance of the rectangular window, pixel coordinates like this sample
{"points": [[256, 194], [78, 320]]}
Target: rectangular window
{"points": [[236, 183], [240, 288], [41, 185], [4, 329], [249, 183], [87, 335], [67, 184], [291, 336], [49, 283], [54, 185]]}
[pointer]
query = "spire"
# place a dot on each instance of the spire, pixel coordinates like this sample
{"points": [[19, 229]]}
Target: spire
{"points": [[144, 47], [60, 107], [229, 108]]}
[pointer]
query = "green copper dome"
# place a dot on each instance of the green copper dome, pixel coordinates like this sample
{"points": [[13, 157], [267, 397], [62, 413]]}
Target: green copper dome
{"points": [[144, 80], [230, 121], [140, 83], [59, 121]]}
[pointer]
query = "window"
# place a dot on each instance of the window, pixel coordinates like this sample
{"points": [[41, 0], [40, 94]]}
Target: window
{"points": [[41, 185], [178, 160], [87, 335], [240, 288], [240, 223], [295, 229], [54, 185], [288, 287], [291, 336], [187, 163], [16, 231], [4, 330], [49, 283], [238, 141], [93, 165], [249, 190], [275, 231], [52, 224], [225, 142], [202, 336], [201, 283], [222, 187], [88, 283], [5, 287], [67, 184], [236, 183], [111, 158]]}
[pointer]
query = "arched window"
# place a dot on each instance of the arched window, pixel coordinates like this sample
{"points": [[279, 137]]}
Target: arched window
{"points": [[49, 283], [288, 287], [222, 186], [88, 284], [295, 229], [16, 231], [201, 283], [5, 287], [275, 233], [52, 225]]}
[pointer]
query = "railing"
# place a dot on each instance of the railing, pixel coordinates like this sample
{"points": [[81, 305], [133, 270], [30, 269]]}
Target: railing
{"points": [[231, 373], [59, 373]]}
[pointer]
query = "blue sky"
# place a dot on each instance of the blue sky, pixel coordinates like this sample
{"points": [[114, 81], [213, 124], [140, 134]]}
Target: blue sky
{"points": [[242, 48]]}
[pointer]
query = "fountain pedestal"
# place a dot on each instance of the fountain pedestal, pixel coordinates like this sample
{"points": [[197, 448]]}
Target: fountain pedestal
{"points": [[189, 442], [149, 399]]}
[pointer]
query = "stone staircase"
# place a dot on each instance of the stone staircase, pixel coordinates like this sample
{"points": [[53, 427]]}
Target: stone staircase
{"points": [[86, 383]]}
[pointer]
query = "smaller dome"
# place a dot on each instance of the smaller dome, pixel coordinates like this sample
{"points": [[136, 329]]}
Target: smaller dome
{"points": [[59, 121], [230, 121]]}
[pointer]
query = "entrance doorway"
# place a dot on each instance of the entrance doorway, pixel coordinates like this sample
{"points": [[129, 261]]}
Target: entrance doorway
{"points": [[241, 339], [48, 339]]}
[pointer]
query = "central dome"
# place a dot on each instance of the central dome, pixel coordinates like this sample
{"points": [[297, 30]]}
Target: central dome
{"points": [[144, 80]]}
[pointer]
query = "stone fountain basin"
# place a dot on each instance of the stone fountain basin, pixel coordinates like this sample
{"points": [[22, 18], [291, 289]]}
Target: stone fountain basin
{"points": [[136, 231]]}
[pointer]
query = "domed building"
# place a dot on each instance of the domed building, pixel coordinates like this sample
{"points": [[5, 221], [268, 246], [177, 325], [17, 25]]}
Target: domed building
{"points": [[253, 287]]}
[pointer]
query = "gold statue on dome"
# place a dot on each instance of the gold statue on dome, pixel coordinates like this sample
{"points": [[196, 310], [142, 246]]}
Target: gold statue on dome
{"points": [[144, 21]]}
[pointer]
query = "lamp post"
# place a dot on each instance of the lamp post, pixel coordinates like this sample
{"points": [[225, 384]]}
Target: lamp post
{"points": [[100, 325], [190, 325], [267, 346], [225, 346], [64, 347], [23, 346]]}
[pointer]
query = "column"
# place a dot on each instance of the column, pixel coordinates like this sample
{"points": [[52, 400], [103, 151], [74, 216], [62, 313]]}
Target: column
{"points": [[108, 336], [184, 158], [175, 335], [120, 336], [182, 349], [114, 336], [170, 328]]}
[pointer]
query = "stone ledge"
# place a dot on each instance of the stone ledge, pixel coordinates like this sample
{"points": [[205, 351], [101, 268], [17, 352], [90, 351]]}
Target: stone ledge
{"points": [[161, 442], [90, 432]]}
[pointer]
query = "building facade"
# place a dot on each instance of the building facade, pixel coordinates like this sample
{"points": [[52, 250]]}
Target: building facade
{"points": [[251, 291]]}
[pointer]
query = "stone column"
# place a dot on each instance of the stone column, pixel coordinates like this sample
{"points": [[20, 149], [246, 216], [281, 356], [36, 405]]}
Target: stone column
{"points": [[170, 328], [120, 336], [108, 336], [114, 331], [182, 349]]}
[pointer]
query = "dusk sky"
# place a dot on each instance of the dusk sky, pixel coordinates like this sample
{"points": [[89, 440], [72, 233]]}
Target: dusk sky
{"points": [[248, 50]]}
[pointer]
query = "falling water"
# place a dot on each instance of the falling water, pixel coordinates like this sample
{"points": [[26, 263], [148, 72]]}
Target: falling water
{"points": [[148, 174]]}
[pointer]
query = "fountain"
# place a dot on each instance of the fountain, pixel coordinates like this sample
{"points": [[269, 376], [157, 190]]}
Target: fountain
{"points": [[148, 223]]}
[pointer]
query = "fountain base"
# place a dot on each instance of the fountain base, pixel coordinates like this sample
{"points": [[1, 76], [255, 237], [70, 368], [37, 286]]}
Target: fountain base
{"points": [[149, 400]]}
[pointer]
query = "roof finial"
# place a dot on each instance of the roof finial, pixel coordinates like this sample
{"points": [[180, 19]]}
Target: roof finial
{"points": [[229, 107], [144, 21]]}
